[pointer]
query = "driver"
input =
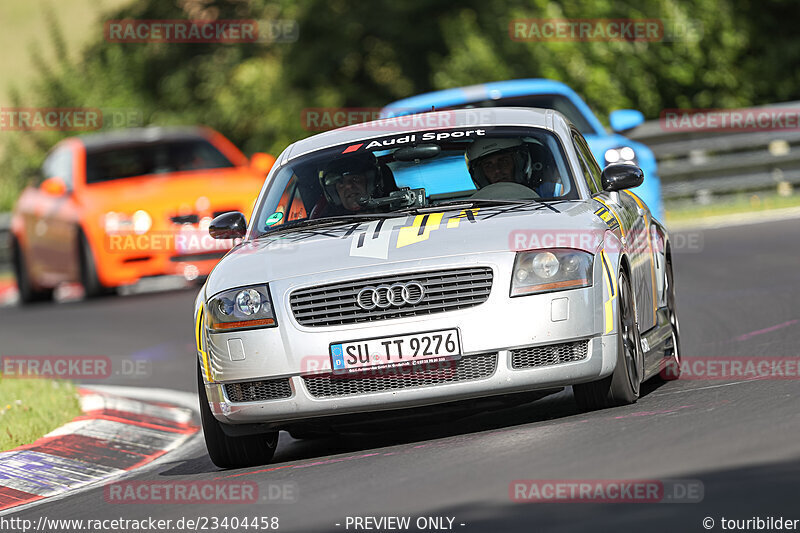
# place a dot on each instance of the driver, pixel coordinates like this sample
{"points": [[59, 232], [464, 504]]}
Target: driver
{"points": [[493, 161], [347, 180]]}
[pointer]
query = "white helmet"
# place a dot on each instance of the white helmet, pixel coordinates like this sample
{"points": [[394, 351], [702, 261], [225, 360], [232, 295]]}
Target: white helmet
{"points": [[484, 147]]}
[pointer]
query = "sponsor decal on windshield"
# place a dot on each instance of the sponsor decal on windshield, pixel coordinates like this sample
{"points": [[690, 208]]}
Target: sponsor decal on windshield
{"points": [[411, 138]]}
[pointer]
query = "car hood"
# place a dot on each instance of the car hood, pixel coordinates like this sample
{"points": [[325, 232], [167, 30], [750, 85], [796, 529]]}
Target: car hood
{"points": [[195, 192], [349, 245]]}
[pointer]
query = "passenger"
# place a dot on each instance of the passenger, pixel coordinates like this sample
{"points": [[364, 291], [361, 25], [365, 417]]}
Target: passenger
{"points": [[499, 160]]}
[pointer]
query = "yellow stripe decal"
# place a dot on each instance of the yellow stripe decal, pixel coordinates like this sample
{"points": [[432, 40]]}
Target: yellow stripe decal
{"points": [[636, 198], [612, 293], [420, 230], [469, 214], [198, 333], [621, 229]]}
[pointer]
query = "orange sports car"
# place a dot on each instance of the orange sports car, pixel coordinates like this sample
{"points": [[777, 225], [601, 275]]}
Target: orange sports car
{"points": [[112, 208]]}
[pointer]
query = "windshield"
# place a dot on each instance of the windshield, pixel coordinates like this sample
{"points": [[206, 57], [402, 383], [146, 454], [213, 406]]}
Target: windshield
{"points": [[558, 102], [411, 171], [110, 163]]}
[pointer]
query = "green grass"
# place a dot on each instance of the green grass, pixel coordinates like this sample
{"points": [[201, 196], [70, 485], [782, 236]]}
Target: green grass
{"points": [[742, 203], [31, 408]]}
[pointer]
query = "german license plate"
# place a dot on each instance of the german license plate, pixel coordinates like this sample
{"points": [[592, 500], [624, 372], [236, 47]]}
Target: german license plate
{"points": [[398, 350]]}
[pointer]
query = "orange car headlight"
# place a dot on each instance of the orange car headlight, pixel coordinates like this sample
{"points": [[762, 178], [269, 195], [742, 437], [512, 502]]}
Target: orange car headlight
{"points": [[140, 222]]}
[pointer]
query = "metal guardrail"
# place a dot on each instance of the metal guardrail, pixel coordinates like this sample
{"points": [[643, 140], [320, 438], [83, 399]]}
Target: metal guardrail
{"points": [[700, 164]]}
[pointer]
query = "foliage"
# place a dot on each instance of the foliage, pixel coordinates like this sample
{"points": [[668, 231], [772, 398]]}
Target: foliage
{"points": [[365, 54]]}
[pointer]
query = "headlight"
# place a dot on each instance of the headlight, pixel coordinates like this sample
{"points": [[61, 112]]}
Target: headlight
{"points": [[116, 222], [551, 270], [623, 154], [243, 308], [140, 222]]}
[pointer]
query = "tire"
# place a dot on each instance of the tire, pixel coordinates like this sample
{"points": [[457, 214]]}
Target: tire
{"points": [[232, 452], [309, 434], [92, 287], [622, 387], [28, 294], [671, 364]]}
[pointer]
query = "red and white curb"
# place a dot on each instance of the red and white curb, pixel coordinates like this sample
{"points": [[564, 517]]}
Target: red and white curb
{"points": [[8, 292], [114, 435]]}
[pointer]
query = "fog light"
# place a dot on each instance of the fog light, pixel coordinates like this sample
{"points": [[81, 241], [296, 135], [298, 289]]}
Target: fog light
{"points": [[191, 272]]}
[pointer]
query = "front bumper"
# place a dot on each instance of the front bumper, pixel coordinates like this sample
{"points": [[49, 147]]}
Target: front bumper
{"points": [[501, 325], [302, 406], [124, 259]]}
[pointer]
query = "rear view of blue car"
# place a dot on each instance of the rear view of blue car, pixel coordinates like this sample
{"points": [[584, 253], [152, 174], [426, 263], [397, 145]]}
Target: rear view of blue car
{"points": [[549, 94]]}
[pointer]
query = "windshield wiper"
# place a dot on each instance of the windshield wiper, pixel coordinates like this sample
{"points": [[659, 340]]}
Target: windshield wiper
{"points": [[337, 219], [455, 204]]}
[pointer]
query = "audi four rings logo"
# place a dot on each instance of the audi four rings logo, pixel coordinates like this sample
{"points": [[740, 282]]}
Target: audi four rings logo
{"points": [[385, 296]]}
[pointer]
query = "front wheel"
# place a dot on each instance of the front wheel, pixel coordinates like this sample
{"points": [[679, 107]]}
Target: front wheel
{"points": [[28, 293], [92, 286], [622, 387], [232, 452]]}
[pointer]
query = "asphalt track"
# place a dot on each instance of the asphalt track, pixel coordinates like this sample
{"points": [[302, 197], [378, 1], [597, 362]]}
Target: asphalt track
{"points": [[737, 296]]}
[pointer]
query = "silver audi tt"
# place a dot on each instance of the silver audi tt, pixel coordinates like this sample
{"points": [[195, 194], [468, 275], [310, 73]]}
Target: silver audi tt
{"points": [[426, 263]]}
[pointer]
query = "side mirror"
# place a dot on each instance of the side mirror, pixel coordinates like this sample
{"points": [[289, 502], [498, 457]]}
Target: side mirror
{"points": [[619, 176], [54, 186], [230, 225], [625, 119], [261, 162]]}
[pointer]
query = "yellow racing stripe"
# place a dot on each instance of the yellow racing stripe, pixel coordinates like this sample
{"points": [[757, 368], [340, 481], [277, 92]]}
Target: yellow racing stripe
{"points": [[198, 333], [611, 288], [621, 228]]}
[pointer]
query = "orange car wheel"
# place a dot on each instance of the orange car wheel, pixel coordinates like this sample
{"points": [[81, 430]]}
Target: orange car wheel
{"points": [[92, 286], [27, 292]]}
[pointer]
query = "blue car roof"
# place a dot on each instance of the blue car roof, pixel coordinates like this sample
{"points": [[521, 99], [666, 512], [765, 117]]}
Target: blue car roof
{"points": [[486, 91]]}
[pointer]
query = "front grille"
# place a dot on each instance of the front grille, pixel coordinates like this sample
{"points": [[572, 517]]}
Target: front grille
{"points": [[258, 391], [185, 219], [445, 290], [137, 259], [191, 258], [467, 368], [549, 355]]}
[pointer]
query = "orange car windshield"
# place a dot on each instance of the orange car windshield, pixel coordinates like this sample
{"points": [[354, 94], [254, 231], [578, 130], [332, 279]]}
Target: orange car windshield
{"points": [[141, 159]]}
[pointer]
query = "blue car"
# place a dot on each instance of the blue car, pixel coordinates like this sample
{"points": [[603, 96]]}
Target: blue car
{"points": [[606, 147]]}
